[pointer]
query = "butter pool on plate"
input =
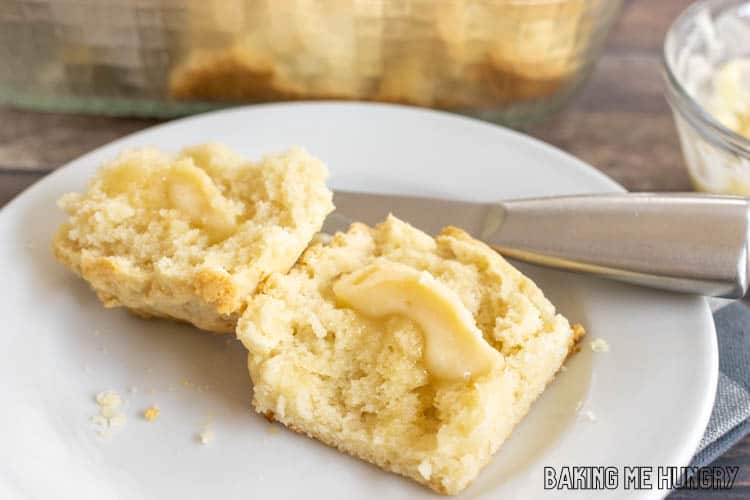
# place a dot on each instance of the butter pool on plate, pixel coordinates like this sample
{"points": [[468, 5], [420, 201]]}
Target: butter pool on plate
{"points": [[419, 355]]}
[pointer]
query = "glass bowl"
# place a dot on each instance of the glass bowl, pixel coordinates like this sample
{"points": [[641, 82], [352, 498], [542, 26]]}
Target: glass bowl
{"points": [[701, 51], [511, 61]]}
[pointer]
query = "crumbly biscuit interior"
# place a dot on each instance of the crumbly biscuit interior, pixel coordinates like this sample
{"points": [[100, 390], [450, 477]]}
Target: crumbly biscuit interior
{"points": [[164, 219], [360, 383]]}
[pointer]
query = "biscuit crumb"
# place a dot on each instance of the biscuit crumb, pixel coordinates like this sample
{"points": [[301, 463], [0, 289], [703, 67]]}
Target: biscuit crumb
{"points": [[109, 416], [599, 345], [272, 429], [99, 420], [109, 399], [117, 420], [206, 435], [151, 413], [425, 469], [578, 330]]}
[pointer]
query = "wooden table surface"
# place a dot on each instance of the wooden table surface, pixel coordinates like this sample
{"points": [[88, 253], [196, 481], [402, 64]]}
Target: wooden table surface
{"points": [[620, 123]]}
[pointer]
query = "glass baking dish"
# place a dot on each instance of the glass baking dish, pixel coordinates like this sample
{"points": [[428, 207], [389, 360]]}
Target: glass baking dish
{"points": [[511, 61]]}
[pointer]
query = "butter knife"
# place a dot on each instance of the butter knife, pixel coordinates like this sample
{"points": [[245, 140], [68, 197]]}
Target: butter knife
{"points": [[690, 243]]}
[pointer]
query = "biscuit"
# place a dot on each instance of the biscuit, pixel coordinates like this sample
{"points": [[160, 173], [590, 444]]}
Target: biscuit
{"points": [[190, 236], [453, 54], [378, 386]]}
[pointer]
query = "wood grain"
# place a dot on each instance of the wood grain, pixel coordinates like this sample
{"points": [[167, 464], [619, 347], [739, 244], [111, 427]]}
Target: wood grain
{"points": [[620, 123]]}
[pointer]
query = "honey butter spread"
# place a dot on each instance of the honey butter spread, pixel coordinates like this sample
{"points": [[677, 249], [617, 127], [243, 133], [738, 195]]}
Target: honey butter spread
{"points": [[190, 235], [729, 101], [417, 354], [454, 348], [181, 186]]}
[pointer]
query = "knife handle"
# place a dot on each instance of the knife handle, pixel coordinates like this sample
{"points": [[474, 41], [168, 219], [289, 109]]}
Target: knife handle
{"points": [[683, 242]]}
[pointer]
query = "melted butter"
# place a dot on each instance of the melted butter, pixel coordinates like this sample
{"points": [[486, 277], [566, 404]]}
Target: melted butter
{"points": [[454, 348], [192, 191], [131, 178], [181, 186]]}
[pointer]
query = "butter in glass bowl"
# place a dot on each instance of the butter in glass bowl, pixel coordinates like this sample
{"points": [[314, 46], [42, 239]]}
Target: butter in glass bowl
{"points": [[707, 75]]}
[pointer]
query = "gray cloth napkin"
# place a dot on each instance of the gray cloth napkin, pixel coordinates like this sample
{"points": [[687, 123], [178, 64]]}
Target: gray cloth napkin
{"points": [[730, 419]]}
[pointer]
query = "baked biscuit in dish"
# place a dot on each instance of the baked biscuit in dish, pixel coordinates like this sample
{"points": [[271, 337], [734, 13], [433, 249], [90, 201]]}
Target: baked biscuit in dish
{"points": [[419, 355], [189, 236]]}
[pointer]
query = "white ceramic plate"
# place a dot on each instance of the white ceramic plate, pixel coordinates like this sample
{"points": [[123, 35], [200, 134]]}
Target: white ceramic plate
{"points": [[651, 394]]}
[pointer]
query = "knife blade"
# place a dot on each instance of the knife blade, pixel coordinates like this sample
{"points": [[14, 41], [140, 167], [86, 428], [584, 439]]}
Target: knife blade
{"points": [[688, 243], [428, 214]]}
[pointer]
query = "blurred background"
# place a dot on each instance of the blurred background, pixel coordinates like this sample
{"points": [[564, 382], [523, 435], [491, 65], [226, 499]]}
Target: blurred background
{"points": [[511, 61], [588, 76]]}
